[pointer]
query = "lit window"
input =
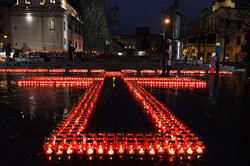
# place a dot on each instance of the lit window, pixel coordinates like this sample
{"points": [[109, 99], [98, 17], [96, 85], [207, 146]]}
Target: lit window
{"points": [[52, 1], [27, 2], [52, 24], [42, 2]]}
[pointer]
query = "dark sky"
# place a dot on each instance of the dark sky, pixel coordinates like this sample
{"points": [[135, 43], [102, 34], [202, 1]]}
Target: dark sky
{"points": [[147, 13], [140, 13]]}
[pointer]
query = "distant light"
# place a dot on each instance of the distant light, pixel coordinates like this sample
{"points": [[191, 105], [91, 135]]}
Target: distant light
{"points": [[167, 21], [5, 36], [29, 17]]}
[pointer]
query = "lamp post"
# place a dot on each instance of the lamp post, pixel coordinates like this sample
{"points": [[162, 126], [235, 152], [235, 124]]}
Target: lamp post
{"points": [[166, 21]]}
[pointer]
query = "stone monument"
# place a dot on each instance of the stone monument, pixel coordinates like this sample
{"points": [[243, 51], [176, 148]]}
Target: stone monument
{"points": [[95, 27], [175, 13]]}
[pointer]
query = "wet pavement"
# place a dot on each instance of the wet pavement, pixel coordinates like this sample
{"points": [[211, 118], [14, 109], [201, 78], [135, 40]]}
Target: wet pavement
{"points": [[219, 114]]}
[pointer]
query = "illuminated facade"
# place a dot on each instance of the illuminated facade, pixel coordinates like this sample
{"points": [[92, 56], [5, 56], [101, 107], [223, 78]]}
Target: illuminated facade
{"points": [[45, 25], [226, 23]]}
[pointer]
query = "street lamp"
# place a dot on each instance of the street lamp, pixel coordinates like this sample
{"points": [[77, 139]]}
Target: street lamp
{"points": [[166, 21]]}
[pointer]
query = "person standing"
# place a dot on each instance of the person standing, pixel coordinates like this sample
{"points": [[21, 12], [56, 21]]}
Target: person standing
{"points": [[71, 51], [213, 62], [169, 56], [186, 55], [194, 53], [163, 53], [106, 47], [218, 55], [7, 51], [246, 49]]}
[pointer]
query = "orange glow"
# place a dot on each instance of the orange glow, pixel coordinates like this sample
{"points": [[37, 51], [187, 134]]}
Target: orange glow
{"points": [[199, 150], [190, 151], [141, 151], [49, 151], [90, 151], [171, 151]]}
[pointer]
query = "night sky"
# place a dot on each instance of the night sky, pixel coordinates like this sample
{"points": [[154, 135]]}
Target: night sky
{"points": [[147, 13]]}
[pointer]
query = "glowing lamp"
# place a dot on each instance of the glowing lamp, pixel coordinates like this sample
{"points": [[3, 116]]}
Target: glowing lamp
{"points": [[79, 146], [160, 146], [130, 147], [48, 147], [110, 147], [120, 147], [140, 147], [151, 147], [90, 147], [100, 147], [200, 146], [181, 147], [70, 148], [171, 148]]}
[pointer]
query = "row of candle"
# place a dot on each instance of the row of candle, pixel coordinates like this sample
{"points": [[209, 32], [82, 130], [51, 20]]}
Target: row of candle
{"points": [[165, 121], [173, 84], [58, 81], [102, 143], [76, 120], [170, 80], [52, 70], [143, 72]]}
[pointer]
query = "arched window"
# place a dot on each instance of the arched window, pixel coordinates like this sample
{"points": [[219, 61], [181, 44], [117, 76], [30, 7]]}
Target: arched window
{"points": [[52, 24]]}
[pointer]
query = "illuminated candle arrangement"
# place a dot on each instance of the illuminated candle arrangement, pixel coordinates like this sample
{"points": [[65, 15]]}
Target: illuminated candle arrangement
{"points": [[193, 72], [78, 70], [168, 82], [58, 81], [132, 71], [177, 137], [69, 137]]}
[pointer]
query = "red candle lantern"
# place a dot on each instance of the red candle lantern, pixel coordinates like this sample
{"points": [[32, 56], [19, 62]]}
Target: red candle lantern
{"points": [[171, 147], [89, 147], [120, 147], [59, 147], [69, 147], [181, 149], [151, 148], [100, 147], [200, 147], [190, 147], [160, 146], [79, 149], [110, 148], [140, 147], [48, 147], [130, 147]]}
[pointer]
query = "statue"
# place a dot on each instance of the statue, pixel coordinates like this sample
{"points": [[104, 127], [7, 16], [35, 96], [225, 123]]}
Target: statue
{"points": [[175, 13]]}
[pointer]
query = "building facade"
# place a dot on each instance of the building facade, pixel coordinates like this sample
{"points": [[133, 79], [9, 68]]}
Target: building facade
{"points": [[4, 27], [224, 24], [45, 25]]}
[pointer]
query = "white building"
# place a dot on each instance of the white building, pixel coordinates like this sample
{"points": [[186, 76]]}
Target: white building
{"points": [[45, 25]]}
